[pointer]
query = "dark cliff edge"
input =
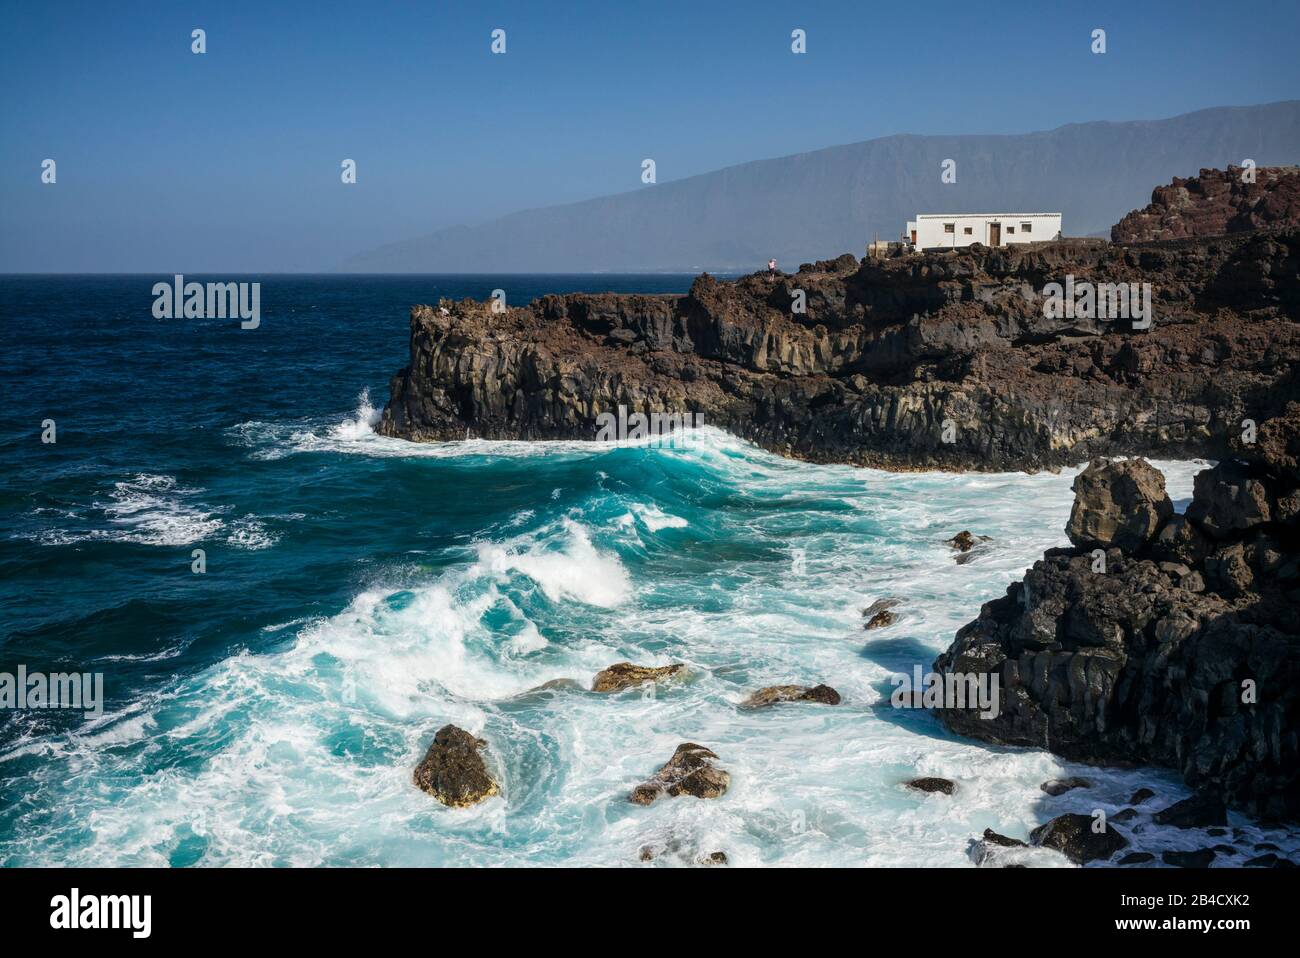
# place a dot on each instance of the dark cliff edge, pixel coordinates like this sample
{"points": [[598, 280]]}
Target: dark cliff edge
{"points": [[934, 360]]}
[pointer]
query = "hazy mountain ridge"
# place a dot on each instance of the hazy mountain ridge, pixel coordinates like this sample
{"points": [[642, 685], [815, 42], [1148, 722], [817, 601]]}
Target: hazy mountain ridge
{"points": [[801, 207]]}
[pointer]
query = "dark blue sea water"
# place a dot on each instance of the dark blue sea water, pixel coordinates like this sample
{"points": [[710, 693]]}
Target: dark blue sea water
{"points": [[360, 592]]}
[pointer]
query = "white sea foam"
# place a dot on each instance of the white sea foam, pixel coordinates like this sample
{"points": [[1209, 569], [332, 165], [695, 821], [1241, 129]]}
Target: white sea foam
{"points": [[155, 510], [303, 756], [579, 571], [250, 533], [363, 424]]}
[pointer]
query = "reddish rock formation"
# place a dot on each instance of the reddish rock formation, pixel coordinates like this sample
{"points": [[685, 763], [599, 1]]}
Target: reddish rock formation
{"points": [[1214, 203]]}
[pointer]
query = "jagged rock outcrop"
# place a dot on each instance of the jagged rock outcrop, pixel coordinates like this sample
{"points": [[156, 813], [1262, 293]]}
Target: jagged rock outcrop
{"points": [[1183, 652], [1234, 200], [691, 771], [453, 770], [944, 360], [1118, 505]]}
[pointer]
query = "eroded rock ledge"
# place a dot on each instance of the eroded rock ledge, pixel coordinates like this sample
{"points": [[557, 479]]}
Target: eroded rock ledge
{"points": [[888, 353], [1158, 638]]}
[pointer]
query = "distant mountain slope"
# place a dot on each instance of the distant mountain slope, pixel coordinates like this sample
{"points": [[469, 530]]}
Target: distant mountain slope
{"points": [[810, 206]]}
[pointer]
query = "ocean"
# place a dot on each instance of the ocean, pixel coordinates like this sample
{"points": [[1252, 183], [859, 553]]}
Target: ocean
{"points": [[360, 592]]}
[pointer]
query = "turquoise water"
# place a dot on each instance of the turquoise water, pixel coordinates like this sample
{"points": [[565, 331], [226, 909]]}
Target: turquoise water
{"points": [[361, 592]]}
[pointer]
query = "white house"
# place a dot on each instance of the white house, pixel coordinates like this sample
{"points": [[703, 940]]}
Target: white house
{"points": [[950, 230]]}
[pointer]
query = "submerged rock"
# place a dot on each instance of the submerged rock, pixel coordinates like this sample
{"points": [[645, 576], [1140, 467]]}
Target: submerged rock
{"points": [[775, 694], [990, 848], [678, 852], [453, 770], [1072, 835], [1140, 796], [691, 771], [1059, 786], [880, 605], [625, 675], [964, 542], [549, 688], [941, 785]]}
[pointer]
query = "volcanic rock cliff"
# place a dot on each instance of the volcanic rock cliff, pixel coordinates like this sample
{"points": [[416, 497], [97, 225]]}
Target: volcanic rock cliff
{"points": [[1216, 202], [936, 360], [1160, 638]]}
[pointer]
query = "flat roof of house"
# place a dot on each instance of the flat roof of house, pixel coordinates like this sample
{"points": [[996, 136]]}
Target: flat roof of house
{"points": [[935, 216]]}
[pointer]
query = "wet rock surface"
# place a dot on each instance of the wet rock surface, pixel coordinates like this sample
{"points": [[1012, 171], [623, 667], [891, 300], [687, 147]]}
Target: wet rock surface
{"points": [[991, 850], [1073, 835], [881, 605], [965, 540], [941, 785], [453, 770], [1059, 786], [625, 675], [1183, 652], [676, 851], [691, 771], [776, 694]]}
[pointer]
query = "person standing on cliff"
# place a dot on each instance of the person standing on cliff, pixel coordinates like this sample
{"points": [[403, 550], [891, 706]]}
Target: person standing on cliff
{"points": [[771, 269]]}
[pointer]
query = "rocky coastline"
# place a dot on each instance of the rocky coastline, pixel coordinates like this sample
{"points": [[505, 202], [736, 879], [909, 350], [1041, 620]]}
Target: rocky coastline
{"points": [[1159, 637], [924, 361]]}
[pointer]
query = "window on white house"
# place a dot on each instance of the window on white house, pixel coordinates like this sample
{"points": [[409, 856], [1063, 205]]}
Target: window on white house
{"points": [[967, 231], [949, 227], [1026, 227], [1010, 230]]}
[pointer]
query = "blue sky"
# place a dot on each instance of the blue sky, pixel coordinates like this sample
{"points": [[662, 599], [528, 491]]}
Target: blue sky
{"points": [[230, 160]]}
